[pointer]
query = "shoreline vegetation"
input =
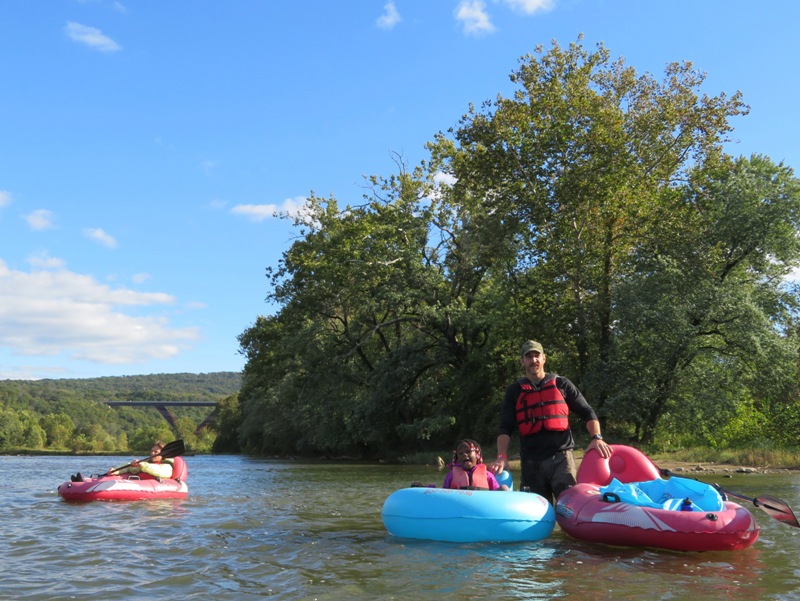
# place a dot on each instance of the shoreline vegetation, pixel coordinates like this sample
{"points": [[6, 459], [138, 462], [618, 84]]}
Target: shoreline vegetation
{"points": [[686, 461], [690, 461], [729, 461]]}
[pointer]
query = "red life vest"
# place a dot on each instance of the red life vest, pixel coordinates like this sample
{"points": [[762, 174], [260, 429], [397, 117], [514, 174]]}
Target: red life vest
{"points": [[541, 406], [461, 478]]}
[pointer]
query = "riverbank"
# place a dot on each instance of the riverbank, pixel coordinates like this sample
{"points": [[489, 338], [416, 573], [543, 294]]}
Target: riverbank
{"points": [[683, 467], [691, 468], [663, 462]]}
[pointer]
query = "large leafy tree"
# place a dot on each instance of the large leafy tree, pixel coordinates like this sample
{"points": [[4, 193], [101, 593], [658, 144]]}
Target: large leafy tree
{"points": [[379, 331], [707, 320], [594, 210], [572, 170]]}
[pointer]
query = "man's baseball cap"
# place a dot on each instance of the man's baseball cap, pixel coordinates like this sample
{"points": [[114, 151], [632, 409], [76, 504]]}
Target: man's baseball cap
{"points": [[531, 345]]}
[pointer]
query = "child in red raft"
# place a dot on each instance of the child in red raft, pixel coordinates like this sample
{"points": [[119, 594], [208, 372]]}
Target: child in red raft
{"points": [[467, 469]]}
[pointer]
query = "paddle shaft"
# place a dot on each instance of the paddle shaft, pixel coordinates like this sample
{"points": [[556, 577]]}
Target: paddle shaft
{"points": [[170, 450], [737, 495], [773, 506]]}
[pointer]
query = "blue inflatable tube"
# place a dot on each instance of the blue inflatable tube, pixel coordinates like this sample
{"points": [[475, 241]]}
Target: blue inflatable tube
{"points": [[464, 516], [506, 478]]}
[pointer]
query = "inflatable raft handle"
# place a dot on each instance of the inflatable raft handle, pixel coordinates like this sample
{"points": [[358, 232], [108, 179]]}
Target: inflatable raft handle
{"points": [[505, 477], [610, 497]]}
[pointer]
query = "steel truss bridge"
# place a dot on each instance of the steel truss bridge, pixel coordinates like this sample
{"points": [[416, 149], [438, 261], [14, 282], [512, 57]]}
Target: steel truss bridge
{"points": [[162, 407]]}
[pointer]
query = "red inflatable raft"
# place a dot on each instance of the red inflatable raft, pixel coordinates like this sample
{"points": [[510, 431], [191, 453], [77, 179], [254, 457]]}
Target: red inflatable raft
{"points": [[128, 487], [589, 512]]}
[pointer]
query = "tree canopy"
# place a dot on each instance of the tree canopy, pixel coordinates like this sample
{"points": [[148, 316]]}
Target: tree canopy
{"points": [[594, 210]]}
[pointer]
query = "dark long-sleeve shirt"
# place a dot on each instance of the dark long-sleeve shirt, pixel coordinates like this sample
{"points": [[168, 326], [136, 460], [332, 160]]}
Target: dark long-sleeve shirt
{"points": [[545, 443]]}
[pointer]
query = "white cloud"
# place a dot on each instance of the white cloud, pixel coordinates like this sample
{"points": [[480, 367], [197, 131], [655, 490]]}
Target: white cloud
{"points": [[473, 15], [476, 20], [530, 7], [46, 313], [441, 181], [40, 219], [45, 261], [99, 235], [294, 207], [256, 212], [444, 179], [793, 277], [390, 17], [91, 36], [5, 198], [30, 372], [140, 278]]}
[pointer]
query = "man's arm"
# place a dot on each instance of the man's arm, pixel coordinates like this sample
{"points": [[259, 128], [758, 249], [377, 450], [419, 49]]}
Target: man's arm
{"points": [[596, 441], [501, 463], [507, 424], [578, 404]]}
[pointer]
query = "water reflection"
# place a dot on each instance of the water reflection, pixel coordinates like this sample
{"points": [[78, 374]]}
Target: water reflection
{"points": [[641, 573], [253, 529]]}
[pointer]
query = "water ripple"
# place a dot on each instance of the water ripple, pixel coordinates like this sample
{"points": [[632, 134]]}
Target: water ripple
{"points": [[253, 529]]}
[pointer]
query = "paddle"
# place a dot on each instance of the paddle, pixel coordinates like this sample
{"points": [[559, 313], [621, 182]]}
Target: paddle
{"points": [[772, 506], [170, 450]]}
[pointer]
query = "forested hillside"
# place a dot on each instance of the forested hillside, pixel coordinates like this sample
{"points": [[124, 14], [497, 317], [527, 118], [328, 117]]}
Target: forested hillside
{"points": [[71, 414]]}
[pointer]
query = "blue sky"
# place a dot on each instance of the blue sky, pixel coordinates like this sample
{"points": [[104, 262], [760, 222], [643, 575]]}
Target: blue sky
{"points": [[145, 145]]}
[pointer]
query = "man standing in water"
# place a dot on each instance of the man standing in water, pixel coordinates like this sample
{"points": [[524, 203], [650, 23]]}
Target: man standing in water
{"points": [[538, 405]]}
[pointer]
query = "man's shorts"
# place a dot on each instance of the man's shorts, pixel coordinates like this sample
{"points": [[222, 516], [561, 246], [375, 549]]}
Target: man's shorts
{"points": [[549, 477]]}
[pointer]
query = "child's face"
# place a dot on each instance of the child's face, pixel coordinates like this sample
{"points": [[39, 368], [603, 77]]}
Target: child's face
{"points": [[467, 456]]}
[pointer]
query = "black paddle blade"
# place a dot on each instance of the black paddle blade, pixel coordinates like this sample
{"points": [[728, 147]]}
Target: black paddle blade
{"points": [[772, 506], [778, 509], [173, 449]]}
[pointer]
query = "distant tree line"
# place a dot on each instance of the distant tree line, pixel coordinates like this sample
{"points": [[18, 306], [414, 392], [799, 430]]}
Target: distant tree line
{"points": [[71, 414], [594, 210]]}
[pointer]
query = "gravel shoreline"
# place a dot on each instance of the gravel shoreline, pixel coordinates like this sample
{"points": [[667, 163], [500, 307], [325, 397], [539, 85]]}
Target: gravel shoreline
{"points": [[723, 469], [691, 469]]}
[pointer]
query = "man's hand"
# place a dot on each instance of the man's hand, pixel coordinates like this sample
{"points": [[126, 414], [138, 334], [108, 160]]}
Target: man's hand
{"points": [[500, 464], [601, 446]]}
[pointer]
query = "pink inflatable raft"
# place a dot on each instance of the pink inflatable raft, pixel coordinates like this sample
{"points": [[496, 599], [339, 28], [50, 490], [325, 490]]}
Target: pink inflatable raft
{"points": [[622, 500], [128, 487]]}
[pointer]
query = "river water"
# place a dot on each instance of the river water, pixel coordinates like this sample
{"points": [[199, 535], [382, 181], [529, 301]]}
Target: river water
{"points": [[258, 529]]}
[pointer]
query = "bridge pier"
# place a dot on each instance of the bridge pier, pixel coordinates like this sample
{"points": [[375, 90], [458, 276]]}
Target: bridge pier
{"points": [[162, 408]]}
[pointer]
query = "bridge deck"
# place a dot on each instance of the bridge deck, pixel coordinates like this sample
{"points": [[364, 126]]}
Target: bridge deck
{"points": [[161, 403], [161, 406]]}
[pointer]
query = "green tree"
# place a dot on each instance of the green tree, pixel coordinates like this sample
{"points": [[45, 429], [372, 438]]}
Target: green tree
{"points": [[93, 437], [33, 435], [594, 210], [570, 173], [185, 429], [229, 419], [11, 430], [143, 438], [708, 313], [384, 300], [58, 428]]}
